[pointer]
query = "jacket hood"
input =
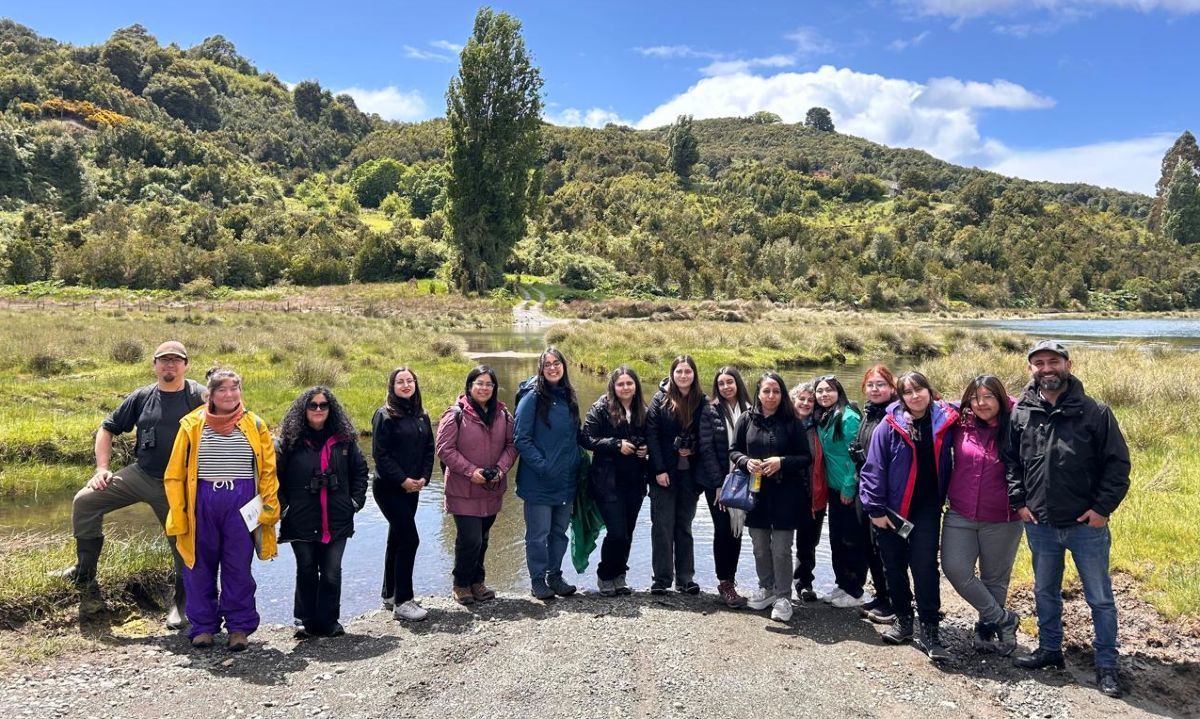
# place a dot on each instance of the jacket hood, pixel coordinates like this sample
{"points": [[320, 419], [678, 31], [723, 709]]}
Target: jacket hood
{"points": [[941, 414]]}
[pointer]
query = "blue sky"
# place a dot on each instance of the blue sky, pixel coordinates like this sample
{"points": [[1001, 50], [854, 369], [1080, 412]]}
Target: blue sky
{"points": [[1065, 90]]}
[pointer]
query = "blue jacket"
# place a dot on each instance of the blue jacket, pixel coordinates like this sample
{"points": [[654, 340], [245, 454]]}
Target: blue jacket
{"points": [[890, 474], [549, 453]]}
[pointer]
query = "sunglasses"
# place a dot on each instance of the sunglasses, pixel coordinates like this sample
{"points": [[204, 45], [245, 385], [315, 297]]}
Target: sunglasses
{"points": [[318, 406]]}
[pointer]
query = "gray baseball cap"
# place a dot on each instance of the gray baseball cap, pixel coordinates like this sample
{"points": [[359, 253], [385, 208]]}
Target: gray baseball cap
{"points": [[1049, 346]]}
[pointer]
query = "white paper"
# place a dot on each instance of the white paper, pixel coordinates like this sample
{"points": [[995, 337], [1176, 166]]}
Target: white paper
{"points": [[250, 511]]}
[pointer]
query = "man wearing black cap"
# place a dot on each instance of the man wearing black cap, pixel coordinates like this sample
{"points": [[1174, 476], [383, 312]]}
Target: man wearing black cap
{"points": [[1068, 470], [154, 412]]}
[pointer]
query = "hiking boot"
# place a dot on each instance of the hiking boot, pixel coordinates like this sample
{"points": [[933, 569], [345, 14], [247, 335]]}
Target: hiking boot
{"points": [[728, 593], [878, 610], [1109, 682], [688, 588], [301, 633], [482, 592], [238, 641], [929, 642], [901, 631], [982, 636], [805, 592], [91, 601], [336, 630], [1040, 658], [1006, 630], [607, 587], [559, 586], [463, 596], [760, 599], [622, 588], [410, 611], [781, 610], [204, 640], [539, 589]]}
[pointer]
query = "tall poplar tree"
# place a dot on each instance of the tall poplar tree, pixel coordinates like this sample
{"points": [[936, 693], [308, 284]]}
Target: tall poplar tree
{"points": [[1184, 149], [494, 109], [1181, 205]]}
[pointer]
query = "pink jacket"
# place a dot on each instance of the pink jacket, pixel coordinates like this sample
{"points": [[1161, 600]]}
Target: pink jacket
{"points": [[465, 444], [978, 489]]}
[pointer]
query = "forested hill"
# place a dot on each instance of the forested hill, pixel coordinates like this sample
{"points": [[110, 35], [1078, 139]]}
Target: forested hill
{"points": [[140, 165]]}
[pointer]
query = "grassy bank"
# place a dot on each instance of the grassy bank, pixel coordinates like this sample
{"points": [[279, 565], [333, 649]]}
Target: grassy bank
{"points": [[62, 371]]}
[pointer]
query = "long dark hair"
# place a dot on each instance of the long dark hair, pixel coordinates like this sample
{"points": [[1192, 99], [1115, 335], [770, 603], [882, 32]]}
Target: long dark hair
{"points": [[637, 406], [295, 422], [542, 390], [785, 404], [823, 416], [992, 383], [742, 399], [489, 411], [916, 379], [396, 405], [683, 408]]}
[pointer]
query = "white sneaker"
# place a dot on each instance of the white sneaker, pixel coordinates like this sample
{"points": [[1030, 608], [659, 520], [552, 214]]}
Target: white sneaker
{"points": [[782, 610], [846, 600], [760, 599], [410, 611], [835, 594]]}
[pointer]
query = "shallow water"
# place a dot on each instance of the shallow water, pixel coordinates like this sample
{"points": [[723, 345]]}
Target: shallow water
{"points": [[1183, 333]]}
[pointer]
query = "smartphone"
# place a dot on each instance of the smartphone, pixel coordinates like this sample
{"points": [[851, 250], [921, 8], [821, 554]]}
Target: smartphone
{"points": [[903, 527]]}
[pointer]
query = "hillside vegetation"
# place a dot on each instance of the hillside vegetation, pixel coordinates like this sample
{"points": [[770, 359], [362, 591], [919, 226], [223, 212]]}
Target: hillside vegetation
{"points": [[133, 164]]}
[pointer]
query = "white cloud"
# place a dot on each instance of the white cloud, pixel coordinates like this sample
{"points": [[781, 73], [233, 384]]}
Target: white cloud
{"points": [[391, 103], [446, 45], [593, 117], [674, 51], [1132, 165], [901, 44], [809, 41], [977, 8], [940, 116], [731, 67], [415, 53]]}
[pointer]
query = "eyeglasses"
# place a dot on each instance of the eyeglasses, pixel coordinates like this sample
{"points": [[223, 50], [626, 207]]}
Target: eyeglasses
{"points": [[318, 406], [170, 359], [877, 385], [483, 385], [552, 364]]}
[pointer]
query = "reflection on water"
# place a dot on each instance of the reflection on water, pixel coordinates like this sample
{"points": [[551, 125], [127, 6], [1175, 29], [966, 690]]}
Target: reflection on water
{"points": [[1174, 331]]}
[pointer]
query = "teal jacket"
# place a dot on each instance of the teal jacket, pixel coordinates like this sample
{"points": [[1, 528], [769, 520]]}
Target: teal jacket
{"points": [[549, 452], [839, 465]]}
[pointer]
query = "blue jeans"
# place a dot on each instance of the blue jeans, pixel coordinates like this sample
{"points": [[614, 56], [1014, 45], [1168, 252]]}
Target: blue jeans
{"points": [[1089, 549], [545, 538]]}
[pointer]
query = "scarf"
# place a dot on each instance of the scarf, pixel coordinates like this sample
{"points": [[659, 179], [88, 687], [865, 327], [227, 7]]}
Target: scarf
{"points": [[224, 423]]}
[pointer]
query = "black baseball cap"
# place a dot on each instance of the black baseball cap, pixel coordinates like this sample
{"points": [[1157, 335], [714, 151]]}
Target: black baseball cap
{"points": [[1049, 346]]}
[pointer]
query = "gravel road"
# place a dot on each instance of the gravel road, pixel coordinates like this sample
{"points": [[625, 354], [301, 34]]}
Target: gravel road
{"points": [[583, 656]]}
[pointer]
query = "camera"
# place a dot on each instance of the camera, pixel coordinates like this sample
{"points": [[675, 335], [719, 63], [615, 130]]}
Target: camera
{"points": [[857, 453], [639, 441], [323, 480], [684, 441], [491, 474]]}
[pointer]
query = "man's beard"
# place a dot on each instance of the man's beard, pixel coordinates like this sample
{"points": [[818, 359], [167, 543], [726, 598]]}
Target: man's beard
{"points": [[1052, 382]]}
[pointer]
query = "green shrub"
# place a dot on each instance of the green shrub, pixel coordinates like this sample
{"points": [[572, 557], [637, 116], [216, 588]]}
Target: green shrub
{"points": [[311, 371], [448, 346], [47, 364], [126, 351]]}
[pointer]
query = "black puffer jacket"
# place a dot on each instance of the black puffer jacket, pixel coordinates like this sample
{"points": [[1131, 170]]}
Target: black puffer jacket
{"points": [[609, 467], [784, 497], [714, 472], [301, 507], [402, 447], [661, 431], [1064, 459], [872, 415]]}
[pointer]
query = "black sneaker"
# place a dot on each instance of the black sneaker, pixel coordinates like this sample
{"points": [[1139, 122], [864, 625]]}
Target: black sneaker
{"points": [[1040, 658], [982, 638], [559, 586], [658, 588], [930, 643], [1108, 682], [878, 610], [805, 592], [901, 631], [689, 588]]}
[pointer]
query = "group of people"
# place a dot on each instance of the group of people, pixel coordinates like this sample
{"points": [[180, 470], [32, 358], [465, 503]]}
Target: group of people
{"points": [[904, 480]]}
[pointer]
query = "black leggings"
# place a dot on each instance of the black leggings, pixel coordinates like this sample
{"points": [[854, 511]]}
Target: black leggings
{"points": [[620, 514], [726, 547], [470, 548], [400, 509], [808, 536]]}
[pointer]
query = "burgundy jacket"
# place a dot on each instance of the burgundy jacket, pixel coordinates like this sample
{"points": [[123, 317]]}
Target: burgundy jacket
{"points": [[978, 488]]}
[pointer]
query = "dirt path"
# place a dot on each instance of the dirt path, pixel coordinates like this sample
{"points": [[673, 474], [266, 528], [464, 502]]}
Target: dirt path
{"points": [[584, 656], [528, 314]]}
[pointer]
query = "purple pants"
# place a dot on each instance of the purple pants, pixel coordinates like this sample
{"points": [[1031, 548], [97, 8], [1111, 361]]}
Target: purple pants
{"points": [[223, 546]]}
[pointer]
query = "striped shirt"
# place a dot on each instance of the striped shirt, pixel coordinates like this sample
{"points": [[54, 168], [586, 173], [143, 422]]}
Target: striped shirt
{"points": [[224, 456]]}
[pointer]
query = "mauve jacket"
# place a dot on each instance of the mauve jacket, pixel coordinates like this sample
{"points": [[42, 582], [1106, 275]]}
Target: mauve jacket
{"points": [[890, 473], [978, 488], [467, 445]]}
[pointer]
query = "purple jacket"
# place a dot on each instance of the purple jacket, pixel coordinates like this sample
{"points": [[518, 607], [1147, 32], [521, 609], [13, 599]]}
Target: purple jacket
{"points": [[465, 444], [890, 473], [978, 488]]}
